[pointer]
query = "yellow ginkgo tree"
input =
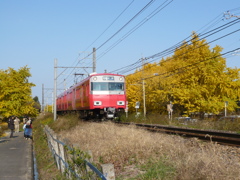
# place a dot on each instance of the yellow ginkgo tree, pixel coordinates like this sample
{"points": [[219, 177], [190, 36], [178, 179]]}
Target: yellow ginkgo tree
{"points": [[15, 93], [195, 79], [203, 82]]}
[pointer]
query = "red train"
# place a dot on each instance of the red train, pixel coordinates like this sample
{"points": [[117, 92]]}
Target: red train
{"points": [[98, 96]]}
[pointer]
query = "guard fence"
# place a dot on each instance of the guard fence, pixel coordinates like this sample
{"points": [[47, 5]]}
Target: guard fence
{"points": [[71, 160]]}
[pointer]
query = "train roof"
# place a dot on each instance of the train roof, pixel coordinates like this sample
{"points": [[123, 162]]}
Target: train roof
{"points": [[89, 76], [104, 74]]}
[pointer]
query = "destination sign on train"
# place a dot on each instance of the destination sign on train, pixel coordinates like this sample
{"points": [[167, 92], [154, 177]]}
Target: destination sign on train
{"points": [[108, 78]]}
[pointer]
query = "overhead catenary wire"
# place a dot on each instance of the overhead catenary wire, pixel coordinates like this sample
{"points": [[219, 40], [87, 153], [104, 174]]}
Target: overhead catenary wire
{"points": [[144, 8], [173, 48], [205, 35], [170, 50], [138, 63], [124, 72], [212, 23], [151, 15], [125, 25], [137, 14], [184, 68], [101, 35], [111, 24], [165, 52], [194, 64]]}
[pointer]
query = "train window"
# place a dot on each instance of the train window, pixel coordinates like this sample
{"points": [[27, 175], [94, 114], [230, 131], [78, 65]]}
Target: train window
{"points": [[116, 86], [107, 86]]}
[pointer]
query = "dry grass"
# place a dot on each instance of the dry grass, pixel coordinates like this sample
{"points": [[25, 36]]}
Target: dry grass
{"points": [[64, 122], [128, 146]]}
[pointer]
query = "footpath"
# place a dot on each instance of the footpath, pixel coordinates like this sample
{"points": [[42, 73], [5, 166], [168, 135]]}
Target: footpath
{"points": [[16, 158]]}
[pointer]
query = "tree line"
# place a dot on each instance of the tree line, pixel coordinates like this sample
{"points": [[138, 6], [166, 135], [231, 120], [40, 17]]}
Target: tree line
{"points": [[195, 79]]}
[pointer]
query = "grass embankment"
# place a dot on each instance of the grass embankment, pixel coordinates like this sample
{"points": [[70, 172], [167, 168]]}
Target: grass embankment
{"points": [[46, 166], [139, 154]]}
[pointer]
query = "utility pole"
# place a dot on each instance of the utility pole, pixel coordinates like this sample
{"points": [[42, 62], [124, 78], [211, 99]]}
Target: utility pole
{"points": [[144, 98], [226, 104], [94, 59], [236, 54], [46, 96], [55, 90], [143, 86], [42, 98], [52, 103]]}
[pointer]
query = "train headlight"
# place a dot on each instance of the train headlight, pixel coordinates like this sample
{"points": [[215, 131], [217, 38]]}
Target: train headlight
{"points": [[97, 103], [120, 78], [94, 78], [121, 103]]}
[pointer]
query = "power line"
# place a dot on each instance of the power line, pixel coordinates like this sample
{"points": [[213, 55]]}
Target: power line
{"points": [[214, 31], [111, 24], [169, 50], [132, 30], [144, 8], [151, 15], [173, 48], [193, 64], [125, 25]]}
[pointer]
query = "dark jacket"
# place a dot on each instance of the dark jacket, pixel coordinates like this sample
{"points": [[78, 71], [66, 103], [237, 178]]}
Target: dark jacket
{"points": [[11, 123]]}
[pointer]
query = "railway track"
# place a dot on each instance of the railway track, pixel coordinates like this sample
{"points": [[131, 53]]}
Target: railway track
{"points": [[225, 138]]}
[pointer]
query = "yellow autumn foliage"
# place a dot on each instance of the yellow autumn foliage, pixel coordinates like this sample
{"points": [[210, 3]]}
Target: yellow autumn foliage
{"points": [[195, 79], [15, 93]]}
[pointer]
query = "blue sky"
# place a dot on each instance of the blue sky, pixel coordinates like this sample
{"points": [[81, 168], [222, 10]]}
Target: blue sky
{"points": [[34, 33]]}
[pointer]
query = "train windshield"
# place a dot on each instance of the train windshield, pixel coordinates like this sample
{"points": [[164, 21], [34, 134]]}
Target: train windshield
{"points": [[107, 86]]}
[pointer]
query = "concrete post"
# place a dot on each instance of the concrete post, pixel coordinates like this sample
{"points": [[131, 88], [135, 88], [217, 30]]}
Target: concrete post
{"points": [[108, 171], [61, 154], [68, 157], [55, 147], [89, 160], [77, 170], [46, 129]]}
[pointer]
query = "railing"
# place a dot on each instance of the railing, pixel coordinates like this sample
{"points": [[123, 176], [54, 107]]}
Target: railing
{"points": [[65, 157]]}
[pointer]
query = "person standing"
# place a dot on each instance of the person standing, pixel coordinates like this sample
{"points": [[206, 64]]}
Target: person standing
{"points": [[11, 125], [28, 129], [24, 129], [16, 123]]}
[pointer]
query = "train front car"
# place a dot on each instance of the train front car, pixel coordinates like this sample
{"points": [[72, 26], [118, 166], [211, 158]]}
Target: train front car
{"points": [[107, 95]]}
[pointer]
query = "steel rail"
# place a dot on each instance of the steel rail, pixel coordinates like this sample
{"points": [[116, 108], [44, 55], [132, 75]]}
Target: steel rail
{"points": [[221, 137]]}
